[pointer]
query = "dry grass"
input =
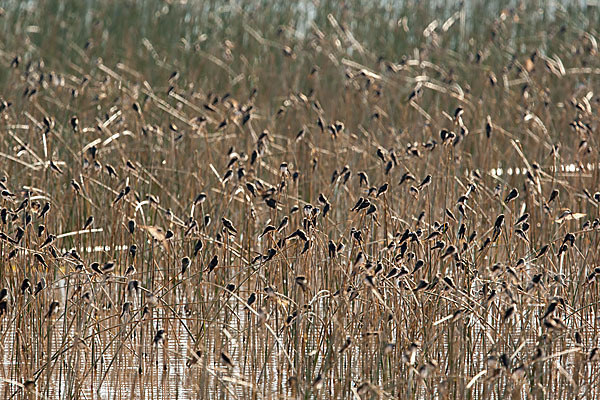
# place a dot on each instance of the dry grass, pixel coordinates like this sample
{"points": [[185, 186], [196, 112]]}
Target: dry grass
{"points": [[194, 133]]}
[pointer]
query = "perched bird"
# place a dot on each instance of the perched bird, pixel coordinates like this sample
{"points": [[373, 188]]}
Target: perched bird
{"points": [[382, 189], [159, 337], [51, 238], [424, 183], [226, 359], [41, 285], [40, 259], [268, 228], [53, 309], [513, 194], [131, 226], [449, 251], [213, 263], [96, 268], [553, 196], [197, 247], [44, 210], [283, 224], [251, 299], [363, 178], [75, 186], [88, 223], [229, 226]]}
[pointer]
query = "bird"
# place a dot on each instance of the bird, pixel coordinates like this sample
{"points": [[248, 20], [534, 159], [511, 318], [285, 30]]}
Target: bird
{"points": [[551, 308], [201, 198], [198, 247], [53, 309], [108, 267], [382, 189], [88, 223], [133, 250], [40, 259], [513, 194], [363, 178], [268, 228], [160, 337], [131, 226], [213, 263], [299, 233], [75, 186], [421, 285], [542, 251], [372, 209], [406, 177], [449, 251], [271, 202], [332, 248], [96, 268], [553, 196], [51, 238], [45, 210], [251, 299], [283, 224], [424, 183], [522, 218], [226, 359], [25, 286], [229, 226], [270, 254]]}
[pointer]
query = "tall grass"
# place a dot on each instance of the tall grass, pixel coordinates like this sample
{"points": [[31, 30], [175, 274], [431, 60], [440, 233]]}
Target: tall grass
{"points": [[168, 120]]}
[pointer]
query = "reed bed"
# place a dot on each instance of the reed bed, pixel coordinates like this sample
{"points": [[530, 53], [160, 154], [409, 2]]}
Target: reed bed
{"points": [[316, 200]]}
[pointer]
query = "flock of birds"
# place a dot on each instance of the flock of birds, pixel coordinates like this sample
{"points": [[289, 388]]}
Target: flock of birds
{"points": [[222, 209]]}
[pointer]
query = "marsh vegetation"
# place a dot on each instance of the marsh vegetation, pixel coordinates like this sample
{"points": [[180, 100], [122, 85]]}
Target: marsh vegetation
{"points": [[319, 200]]}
